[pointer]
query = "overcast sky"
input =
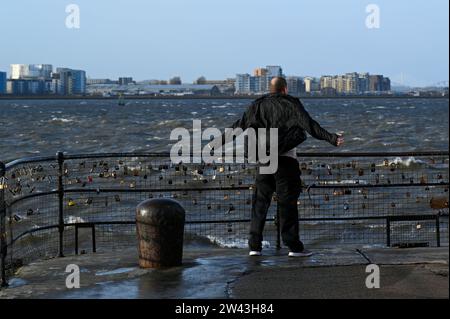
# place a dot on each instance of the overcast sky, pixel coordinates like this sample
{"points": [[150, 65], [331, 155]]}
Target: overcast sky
{"points": [[152, 39]]}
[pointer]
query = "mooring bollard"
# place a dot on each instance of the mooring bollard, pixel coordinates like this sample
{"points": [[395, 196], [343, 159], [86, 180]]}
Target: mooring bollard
{"points": [[160, 231]]}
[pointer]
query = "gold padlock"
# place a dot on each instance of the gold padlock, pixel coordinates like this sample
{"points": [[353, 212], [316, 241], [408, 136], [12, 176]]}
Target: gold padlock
{"points": [[439, 202]]}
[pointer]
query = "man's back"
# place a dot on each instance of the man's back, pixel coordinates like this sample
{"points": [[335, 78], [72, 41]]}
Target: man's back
{"points": [[287, 114]]}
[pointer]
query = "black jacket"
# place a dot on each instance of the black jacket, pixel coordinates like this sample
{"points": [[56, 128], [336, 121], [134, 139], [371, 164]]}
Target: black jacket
{"points": [[286, 113]]}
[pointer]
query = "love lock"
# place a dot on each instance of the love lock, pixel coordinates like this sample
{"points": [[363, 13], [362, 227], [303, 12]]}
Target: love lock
{"points": [[439, 202], [117, 198], [423, 179], [346, 206]]}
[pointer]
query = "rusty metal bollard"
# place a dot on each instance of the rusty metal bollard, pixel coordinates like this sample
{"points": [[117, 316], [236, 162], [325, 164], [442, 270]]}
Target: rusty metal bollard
{"points": [[160, 231]]}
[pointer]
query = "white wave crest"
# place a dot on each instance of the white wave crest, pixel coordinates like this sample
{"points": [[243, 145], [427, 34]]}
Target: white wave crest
{"points": [[233, 243]]}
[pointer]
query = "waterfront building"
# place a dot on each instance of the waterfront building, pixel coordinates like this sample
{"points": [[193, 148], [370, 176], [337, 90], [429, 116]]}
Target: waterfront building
{"points": [[311, 85], [363, 81], [351, 83], [242, 83], [386, 87], [70, 82], [274, 71], [375, 83], [260, 72], [176, 80], [27, 87], [296, 86], [354, 83], [264, 79], [125, 80], [31, 71], [2, 82], [326, 81]]}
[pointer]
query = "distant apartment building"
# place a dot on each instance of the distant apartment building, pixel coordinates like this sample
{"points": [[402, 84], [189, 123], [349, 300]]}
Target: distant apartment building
{"points": [[242, 85], [274, 71], [264, 78], [27, 87], [378, 83], [296, 86], [326, 81], [69, 82], [125, 80], [354, 83], [363, 81], [259, 82], [311, 85], [31, 71], [2, 82]]}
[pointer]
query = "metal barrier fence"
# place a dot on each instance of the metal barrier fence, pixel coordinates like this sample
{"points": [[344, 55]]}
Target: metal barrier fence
{"points": [[71, 204]]}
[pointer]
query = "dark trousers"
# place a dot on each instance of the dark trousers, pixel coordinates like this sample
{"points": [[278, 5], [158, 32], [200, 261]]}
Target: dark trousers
{"points": [[286, 183]]}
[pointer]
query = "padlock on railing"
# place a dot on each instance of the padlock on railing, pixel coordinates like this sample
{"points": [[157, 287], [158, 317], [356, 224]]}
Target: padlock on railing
{"points": [[439, 202]]}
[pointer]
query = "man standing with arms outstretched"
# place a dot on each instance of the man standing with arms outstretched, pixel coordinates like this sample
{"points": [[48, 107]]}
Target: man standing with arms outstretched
{"points": [[287, 114]]}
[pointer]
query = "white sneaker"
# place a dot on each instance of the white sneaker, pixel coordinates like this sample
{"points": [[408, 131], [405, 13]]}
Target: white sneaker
{"points": [[305, 253], [255, 253]]}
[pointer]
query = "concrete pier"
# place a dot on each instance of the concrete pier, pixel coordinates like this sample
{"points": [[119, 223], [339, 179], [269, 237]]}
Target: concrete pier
{"points": [[211, 272]]}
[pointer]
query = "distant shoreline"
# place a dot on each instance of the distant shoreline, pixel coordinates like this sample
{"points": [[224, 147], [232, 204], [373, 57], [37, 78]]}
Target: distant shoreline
{"points": [[247, 97]]}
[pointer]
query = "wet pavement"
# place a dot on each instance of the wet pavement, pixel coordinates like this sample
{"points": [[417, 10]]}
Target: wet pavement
{"points": [[211, 272]]}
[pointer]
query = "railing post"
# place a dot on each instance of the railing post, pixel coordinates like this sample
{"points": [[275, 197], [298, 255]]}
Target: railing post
{"points": [[438, 231], [3, 244], [60, 159], [277, 224], [388, 231]]}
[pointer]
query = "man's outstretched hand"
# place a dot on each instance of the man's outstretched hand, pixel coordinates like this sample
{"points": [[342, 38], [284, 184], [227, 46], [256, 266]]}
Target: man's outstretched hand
{"points": [[340, 140]]}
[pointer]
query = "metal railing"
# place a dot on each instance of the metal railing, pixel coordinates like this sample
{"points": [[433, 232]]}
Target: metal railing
{"points": [[69, 204]]}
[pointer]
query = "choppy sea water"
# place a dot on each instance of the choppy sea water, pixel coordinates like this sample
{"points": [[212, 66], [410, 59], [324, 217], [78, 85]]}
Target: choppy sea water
{"points": [[30, 128], [43, 127]]}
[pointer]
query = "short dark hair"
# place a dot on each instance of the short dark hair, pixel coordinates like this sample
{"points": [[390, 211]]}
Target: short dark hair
{"points": [[278, 84]]}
